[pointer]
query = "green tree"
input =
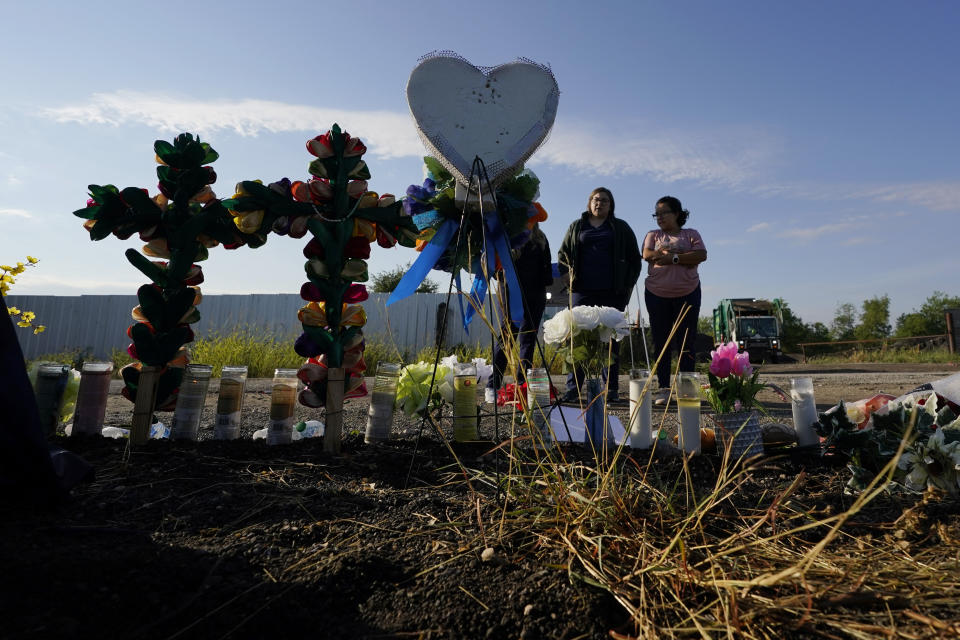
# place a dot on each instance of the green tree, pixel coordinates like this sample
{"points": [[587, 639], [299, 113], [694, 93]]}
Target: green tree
{"points": [[795, 330], [387, 281], [844, 322], [930, 319], [705, 326], [874, 319]]}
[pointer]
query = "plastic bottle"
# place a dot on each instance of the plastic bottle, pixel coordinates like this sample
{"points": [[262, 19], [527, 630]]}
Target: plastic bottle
{"points": [[308, 429]]}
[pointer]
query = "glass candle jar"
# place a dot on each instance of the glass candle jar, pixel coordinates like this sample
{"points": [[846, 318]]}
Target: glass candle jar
{"points": [[92, 398], [190, 401], [465, 416], [804, 411], [641, 417], [283, 399], [48, 391], [538, 400], [380, 413], [688, 410], [233, 382]]}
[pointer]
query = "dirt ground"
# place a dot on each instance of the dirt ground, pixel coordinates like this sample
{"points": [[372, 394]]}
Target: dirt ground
{"points": [[237, 539]]}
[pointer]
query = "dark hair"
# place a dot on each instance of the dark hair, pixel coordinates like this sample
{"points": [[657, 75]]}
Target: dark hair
{"points": [[674, 205], [613, 205]]}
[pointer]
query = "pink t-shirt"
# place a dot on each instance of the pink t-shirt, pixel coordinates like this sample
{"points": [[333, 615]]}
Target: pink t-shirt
{"points": [[672, 280]]}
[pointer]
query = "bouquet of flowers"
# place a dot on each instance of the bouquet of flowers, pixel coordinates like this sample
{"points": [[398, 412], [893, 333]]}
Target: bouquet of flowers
{"points": [[415, 379], [931, 458], [733, 381], [582, 334]]}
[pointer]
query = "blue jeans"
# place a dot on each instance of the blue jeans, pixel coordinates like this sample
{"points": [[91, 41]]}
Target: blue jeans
{"points": [[663, 312], [599, 299]]}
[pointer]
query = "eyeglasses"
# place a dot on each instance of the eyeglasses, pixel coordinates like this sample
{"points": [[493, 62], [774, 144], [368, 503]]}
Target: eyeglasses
{"points": [[601, 200], [660, 214]]}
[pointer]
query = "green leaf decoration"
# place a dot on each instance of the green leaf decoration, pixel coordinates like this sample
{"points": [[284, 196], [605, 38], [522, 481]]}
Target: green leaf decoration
{"points": [[145, 266], [157, 349], [437, 169]]}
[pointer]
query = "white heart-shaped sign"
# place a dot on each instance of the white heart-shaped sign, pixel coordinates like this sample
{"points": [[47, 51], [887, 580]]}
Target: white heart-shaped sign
{"points": [[500, 115]]}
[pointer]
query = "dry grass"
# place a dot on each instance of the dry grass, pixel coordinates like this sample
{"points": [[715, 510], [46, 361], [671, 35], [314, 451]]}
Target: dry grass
{"points": [[695, 548]]}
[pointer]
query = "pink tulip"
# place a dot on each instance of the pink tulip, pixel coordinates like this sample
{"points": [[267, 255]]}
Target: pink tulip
{"points": [[728, 350], [720, 366], [741, 365]]}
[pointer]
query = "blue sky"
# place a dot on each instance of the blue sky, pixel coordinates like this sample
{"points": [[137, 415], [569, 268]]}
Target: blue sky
{"points": [[815, 143]]}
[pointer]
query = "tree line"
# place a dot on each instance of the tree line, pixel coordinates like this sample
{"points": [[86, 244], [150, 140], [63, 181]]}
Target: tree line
{"points": [[871, 321]]}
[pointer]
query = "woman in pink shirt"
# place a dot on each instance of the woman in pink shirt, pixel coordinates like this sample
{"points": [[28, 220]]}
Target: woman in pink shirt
{"points": [[672, 284]]}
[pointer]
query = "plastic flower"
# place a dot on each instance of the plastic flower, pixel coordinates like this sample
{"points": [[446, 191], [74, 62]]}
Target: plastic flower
{"points": [[741, 365], [586, 317], [933, 463], [559, 328], [719, 365], [583, 333], [414, 384], [612, 323], [733, 381], [321, 146]]}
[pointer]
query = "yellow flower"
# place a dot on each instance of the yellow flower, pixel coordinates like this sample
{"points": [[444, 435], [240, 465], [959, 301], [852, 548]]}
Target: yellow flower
{"points": [[6, 267], [32, 260], [13, 311], [23, 324], [8, 279], [28, 316], [39, 329]]}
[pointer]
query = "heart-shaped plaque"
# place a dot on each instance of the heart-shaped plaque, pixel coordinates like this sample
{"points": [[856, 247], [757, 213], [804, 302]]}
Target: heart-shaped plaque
{"points": [[500, 114]]}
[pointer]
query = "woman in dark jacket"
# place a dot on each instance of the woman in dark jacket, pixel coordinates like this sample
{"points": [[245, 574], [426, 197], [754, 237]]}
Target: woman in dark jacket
{"points": [[602, 251]]}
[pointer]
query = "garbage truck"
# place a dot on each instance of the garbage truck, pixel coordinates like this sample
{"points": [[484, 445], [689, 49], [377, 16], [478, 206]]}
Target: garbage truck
{"points": [[756, 325]]}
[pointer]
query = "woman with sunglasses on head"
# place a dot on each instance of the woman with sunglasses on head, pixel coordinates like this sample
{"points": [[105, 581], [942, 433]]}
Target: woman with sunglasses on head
{"points": [[603, 253], [672, 284]]}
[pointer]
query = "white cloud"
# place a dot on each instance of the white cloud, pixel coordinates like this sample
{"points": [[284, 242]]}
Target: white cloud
{"points": [[13, 181], [387, 134], [760, 226], [41, 284], [19, 213], [809, 233], [728, 158], [932, 195], [937, 196]]}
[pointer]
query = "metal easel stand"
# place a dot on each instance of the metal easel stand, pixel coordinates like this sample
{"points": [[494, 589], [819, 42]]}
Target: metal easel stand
{"points": [[475, 170]]}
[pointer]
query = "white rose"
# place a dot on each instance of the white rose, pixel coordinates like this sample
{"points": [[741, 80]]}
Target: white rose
{"points": [[557, 329], [586, 318]]}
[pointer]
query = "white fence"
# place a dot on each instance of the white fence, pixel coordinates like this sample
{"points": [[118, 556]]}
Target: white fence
{"points": [[98, 324]]}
